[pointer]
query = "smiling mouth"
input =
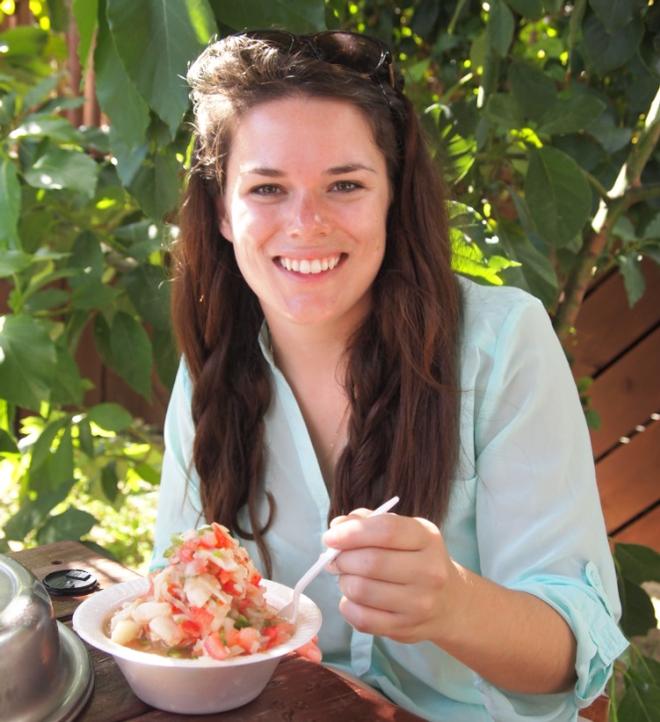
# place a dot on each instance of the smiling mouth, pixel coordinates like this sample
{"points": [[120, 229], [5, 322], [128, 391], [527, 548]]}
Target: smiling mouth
{"points": [[311, 266]]}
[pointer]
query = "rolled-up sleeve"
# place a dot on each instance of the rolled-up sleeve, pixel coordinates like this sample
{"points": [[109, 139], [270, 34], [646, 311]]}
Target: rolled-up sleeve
{"points": [[540, 527], [178, 499]]}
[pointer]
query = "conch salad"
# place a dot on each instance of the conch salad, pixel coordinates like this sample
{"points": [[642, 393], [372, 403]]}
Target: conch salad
{"points": [[207, 602]]}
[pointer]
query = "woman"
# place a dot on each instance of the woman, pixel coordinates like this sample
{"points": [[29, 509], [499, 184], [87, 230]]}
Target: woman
{"points": [[331, 360]]}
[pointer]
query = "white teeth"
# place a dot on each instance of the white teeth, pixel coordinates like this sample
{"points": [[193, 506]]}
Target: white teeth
{"points": [[317, 265]]}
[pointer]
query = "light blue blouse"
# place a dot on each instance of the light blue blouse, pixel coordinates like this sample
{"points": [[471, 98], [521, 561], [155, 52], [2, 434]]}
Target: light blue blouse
{"points": [[524, 512]]}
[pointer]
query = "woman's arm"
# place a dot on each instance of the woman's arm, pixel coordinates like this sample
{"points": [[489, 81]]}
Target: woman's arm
{"points": [[398, 581]]}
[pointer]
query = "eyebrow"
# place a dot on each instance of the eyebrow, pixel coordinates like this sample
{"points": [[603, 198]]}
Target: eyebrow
{"points": [[335, 170]]}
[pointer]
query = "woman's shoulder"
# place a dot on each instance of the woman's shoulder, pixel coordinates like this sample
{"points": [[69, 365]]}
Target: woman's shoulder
{"points": [[488, 310], [491, 313]]}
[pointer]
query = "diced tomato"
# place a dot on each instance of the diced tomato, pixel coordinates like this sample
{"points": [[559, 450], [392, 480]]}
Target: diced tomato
{"points": [[255, 578], [214, 647], [190, 628], [225, 576], [248, 637], [230, 588], [187, 550], [223, 540]]}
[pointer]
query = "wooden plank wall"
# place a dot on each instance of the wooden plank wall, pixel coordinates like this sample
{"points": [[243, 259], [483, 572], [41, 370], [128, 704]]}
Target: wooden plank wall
{"points": [[619, 348]]}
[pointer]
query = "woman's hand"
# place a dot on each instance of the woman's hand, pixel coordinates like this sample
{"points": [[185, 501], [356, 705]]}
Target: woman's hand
{"points": [[396, 576], [310, 650]]}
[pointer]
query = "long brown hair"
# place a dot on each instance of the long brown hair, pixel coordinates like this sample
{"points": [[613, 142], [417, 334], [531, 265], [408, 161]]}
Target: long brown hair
{"points": [[401, 378]]}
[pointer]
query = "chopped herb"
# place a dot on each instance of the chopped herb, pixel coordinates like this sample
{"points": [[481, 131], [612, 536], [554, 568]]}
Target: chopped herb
{"points": [[241, 622]]}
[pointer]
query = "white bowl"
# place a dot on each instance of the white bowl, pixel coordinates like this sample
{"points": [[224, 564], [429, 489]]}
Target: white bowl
{"points": [[191, 686]]}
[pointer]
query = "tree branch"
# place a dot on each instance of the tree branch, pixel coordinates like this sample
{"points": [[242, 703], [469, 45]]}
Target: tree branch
{"points": [[626, 192]]}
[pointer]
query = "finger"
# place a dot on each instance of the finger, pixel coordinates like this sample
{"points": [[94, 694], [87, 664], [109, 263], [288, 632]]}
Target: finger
{"points": [[387, 531], [310, 651], [397, 567], [376, 621], [373, 593], [359, 513]]}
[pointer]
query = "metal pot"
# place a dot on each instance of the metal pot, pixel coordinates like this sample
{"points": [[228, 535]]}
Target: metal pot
{"points": [[45, 671]]}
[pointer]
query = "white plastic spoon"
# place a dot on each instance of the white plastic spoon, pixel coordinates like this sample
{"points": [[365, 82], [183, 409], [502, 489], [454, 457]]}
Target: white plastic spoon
{"points": [[290, 611]]}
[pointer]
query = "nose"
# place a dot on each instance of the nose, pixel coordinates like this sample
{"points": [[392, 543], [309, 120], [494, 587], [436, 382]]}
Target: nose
{"points": [[308, 219]]}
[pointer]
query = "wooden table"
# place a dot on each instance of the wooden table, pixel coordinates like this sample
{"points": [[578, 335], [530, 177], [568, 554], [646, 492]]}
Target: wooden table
{"points": [[299, 691]]}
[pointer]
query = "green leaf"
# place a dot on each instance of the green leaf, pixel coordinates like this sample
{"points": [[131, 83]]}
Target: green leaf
{"points": [[572, 113], [607, 51], [651, 230], [85, 438], [502, 109], [640, 703], [110, 481], [149, 290], [532, 9], [638, 613], [500, 28], [13, 262], [87, 255], [608, 134], [23, 42], [32, 514], [7, 443], [70, 525], [148, 473], [116, 92], [166, 356], [638, 563], [536, 273], [468, 259], [39, 92], [131, 352], [41, 447], [102, 333], [156, 185], [558, 195], [129, 156], [298, 16], [45, 300], [10, 206], [58, 168], [59, 465], [86, 13], [110, 416], [90, 293], [28, 361], [533, 90], [633, 278], [42, 125], [614, 14], [67, 384], [155, 41]]}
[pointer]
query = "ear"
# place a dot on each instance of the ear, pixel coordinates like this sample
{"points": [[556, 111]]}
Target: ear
{"points": [[223, 220]]}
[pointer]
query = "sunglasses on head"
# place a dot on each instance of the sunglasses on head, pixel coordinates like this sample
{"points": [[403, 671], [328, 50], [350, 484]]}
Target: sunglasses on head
{"points": [[362, 54]]}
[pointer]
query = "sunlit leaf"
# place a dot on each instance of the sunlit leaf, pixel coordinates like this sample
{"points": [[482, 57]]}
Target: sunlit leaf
{"points": [[633, 278], [110, 416], [607, 51], [298, 16], [131, 353], [10, 206], [59, 168], [155, 41], [558, 195], [86, 14], [28, 361], [500, 28], [116, 92], [70, 525]]}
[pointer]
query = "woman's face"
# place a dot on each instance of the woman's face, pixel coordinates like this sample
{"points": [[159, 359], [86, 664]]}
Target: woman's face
{"points": [[305, 208]]}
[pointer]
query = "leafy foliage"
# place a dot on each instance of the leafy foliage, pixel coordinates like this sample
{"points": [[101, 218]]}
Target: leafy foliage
{"points": [[543, 114]]}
